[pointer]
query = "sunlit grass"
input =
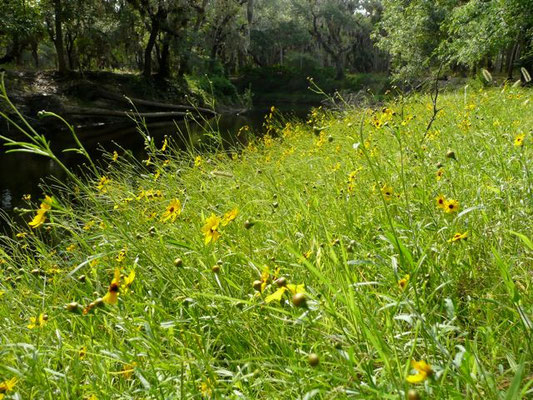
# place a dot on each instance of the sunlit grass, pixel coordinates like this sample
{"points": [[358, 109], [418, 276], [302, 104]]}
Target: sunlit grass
{"points": [[401, 292]]}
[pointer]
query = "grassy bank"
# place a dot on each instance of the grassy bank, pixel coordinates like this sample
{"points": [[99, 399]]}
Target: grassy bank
{"points": [[315, 263]]}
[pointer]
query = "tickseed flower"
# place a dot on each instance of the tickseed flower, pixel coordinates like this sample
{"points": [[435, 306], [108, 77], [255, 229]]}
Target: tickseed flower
{"points": [[165, 144], [38, 322], [519, 140], [229, 216], [441, 201], [7, 386], [40, 217], [128, 280], [440, 173], [278, 294], [121, 256], [458, 236], [210, 229], [115, 156], [172, 212], [387, 192], [82, 352], [88, 226], [423, 371], [127, 370], [451, 206], [262, 283], [111, 297], [206, 388], [402, 283], [102, 184], [198, 161]]}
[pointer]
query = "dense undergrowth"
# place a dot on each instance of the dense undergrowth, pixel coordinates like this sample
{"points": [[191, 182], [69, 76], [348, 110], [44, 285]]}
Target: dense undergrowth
{"points": [[177, 277]]}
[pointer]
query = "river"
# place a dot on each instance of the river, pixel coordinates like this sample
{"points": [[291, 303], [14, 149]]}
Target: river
{"points": [[23, 173]]}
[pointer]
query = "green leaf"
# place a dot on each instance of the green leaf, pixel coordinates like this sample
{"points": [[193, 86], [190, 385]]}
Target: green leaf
{"points": [[527, 241], [512, 392]]}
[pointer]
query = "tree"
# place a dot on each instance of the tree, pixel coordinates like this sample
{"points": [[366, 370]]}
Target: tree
{"points": [[335, 25], [21, 26]]}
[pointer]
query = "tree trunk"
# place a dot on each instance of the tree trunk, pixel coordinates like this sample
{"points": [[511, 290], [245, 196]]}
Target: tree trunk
{"points": [[147, 71], [58, 42], [35, 52], [511, 55], [339, 67], [164, 61]]}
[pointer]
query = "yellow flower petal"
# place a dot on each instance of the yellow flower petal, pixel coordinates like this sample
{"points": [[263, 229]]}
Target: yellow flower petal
{"points": [[418, 378], [276, 296], [296, 288]]}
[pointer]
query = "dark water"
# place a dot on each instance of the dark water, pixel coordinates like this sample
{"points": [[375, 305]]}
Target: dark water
{"points": [[22, 173]]}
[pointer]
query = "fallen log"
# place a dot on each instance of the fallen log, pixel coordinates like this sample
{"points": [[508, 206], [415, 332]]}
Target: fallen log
{"points": [[100, 112], [149, 103]]}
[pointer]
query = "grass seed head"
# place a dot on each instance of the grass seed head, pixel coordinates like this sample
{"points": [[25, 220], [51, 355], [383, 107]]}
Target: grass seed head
{"points": [[248, 224], [313, 360], [299, 300], [281, 281], [257, 285]]}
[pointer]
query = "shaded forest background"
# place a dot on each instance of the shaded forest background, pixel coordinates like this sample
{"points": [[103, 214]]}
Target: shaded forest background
{"points": [[268, 44]]}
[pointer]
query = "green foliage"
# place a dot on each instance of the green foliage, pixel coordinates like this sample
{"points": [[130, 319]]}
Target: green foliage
{"points": [[422, 34]]}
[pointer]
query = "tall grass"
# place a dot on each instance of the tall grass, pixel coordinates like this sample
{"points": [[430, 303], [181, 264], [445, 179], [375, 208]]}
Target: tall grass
{"points": [[345, 204]]}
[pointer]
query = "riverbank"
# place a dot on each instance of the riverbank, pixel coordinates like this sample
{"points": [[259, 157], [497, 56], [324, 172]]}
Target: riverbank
{"points": [[104, 97], [319, 260]]}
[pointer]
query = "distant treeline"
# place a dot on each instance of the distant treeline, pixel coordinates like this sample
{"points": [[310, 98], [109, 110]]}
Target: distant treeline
{"points": [[221, 37]]}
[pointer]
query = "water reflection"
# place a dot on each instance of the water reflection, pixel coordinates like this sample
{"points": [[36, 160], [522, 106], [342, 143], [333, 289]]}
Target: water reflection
{"points": [[22, 173]]}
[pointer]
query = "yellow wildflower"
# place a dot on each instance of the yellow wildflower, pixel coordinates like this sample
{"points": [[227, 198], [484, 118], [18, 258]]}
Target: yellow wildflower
{"points": [[115, 156], [423, 371], [441, 201], [40, 217], [102, 184], [38, 322], [519, 140], [402, 283], [387, 192], [458, 236], [127, 370], [451, 206], [111, 297], [7, 386], [229, 216], [165, 144], [82, 352], [121, 256], [88, 226], [206, 388], [26, 197], [440, 173], [198, 161], [38, 220], [172, 212], [210, 229], [278, 294], [128, 280]]}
